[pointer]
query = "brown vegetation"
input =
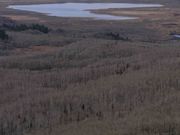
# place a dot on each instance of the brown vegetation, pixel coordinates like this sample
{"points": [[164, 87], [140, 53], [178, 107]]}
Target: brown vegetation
{"points": [[89, 77]]}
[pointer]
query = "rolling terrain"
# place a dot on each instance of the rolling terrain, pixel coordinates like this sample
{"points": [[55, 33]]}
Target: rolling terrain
{"points": [[70, 76]]}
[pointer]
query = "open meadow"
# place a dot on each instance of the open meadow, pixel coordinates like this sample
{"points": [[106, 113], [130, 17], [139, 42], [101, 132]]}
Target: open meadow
{"points": [[71, 76]]}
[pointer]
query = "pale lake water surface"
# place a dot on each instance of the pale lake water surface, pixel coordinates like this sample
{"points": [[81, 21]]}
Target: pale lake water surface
{"points": [[177, 36], [81, 10]]}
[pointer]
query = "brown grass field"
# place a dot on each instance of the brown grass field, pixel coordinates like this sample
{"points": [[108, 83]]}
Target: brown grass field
{"points": [[79, 79]]}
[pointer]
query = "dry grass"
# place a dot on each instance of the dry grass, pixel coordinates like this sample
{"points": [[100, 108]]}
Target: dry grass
{"points": [[77, 80], [117, 85], [23, 18]]}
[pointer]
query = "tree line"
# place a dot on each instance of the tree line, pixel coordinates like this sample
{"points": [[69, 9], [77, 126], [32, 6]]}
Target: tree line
{"points": [[23, 27]]}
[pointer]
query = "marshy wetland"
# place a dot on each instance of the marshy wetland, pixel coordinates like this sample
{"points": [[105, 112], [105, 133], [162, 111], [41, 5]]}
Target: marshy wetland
{"points": [[71, 75]]}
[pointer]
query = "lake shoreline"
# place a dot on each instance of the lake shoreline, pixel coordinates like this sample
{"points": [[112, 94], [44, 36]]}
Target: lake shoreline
{"points": [[90, 77], [83, 10]]}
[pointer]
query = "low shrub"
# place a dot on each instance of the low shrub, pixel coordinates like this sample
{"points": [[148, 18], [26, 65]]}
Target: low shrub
{"points": [[3, 35]]}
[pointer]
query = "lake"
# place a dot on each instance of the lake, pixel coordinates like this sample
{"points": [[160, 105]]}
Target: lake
{"points": [[81, 10], [176, 36]]}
